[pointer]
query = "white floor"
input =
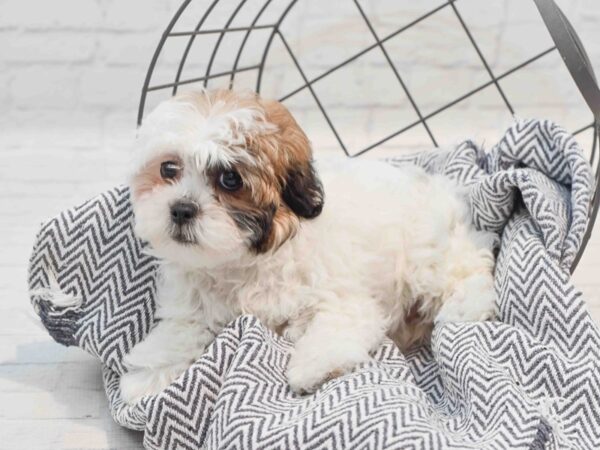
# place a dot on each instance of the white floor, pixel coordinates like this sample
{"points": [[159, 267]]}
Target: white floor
{"points": [[51, 396]]}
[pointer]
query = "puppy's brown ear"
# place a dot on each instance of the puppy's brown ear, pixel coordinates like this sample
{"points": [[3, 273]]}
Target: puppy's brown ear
{"points": [[303, 192]]}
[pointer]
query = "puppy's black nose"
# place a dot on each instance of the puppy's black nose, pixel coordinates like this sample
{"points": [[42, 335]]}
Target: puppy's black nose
{"points": [[183, 212]]}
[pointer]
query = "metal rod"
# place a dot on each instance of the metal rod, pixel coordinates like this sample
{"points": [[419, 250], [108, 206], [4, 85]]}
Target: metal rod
{"points": [[196, 80], [582, 129], [594, 207], [387, 138], [594, 150], [222, 30], [366, 50], [219, 40], [253, 26], [313, 93], [482, 58], [188, 47], [263, 60], [573, 53], [455, 101], [578, 63], [396, 73], [157, 53]]}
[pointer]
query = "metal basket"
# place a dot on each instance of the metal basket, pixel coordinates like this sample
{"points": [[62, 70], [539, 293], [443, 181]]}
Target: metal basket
{"points": [[565, 39]]}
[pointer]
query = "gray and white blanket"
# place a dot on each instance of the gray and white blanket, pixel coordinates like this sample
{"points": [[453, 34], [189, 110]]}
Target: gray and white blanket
{"points": [[529, 380]]}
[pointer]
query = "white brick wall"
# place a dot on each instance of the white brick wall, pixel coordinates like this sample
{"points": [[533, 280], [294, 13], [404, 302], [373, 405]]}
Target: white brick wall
{"points": [[70, 78], [71, 73], [66, 58], [71, 70]]}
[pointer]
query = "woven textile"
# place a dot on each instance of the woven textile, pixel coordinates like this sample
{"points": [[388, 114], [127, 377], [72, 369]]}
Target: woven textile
{"points": [[529, 380]]}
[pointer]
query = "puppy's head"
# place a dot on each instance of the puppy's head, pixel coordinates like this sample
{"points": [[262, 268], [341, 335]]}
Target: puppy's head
{"points": [[221, 175]]}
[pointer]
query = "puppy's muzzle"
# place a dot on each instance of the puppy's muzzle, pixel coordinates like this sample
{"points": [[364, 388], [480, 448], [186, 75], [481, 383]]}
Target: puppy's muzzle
{"points": [[183, 212]]}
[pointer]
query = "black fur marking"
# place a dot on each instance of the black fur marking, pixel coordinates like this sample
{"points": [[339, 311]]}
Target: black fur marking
{"points": [[303, 193], [259, 224]]}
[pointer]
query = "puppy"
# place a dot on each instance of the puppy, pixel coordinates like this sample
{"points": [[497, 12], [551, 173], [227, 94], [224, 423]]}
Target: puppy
{"points": [[226, 193]]}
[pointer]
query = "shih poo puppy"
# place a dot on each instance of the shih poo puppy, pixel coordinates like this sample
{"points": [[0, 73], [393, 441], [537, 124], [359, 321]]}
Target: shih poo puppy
{"points": [[226, 192]]}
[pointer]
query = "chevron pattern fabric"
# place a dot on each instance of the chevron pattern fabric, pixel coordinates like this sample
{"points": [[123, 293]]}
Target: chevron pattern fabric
{"points": [[531, 379]]}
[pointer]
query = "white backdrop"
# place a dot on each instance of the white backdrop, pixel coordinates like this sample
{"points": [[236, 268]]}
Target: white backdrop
{"points": [[71, 73], [73, 65]]}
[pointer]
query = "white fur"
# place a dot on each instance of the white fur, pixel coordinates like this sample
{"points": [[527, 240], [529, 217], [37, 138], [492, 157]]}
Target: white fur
{"points": [[207, 139], [386, 238]]}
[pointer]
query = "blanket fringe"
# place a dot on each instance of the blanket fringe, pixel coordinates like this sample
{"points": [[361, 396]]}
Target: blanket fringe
{"points": [[548, 408], [54, 294]]}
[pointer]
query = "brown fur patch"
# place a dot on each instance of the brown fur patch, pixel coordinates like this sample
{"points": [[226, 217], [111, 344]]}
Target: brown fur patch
{"points": [[280, 329], [415, 330], [334, 374], [148, 178], [276, 152]]}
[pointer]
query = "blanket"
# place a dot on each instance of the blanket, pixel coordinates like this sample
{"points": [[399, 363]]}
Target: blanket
{"points": [[530, 379]]}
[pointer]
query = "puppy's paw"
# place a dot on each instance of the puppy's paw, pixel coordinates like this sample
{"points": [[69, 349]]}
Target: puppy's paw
{"points": [[474, 301], [308, 370], [453, 311], [304, 381], [135, 385], [139, 383]]}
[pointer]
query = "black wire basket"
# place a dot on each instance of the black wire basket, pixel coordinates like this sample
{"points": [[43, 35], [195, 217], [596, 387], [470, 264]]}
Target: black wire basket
{"points": [[257, 25]]}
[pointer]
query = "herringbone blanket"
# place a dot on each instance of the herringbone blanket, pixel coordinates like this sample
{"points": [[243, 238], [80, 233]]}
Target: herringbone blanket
{"points": [[529, 380]]}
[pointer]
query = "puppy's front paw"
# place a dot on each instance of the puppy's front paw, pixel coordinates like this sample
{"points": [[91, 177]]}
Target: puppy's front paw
{"points": [[135, 385], [308, 370], [303, 380], [475, 301], [139, 383]]}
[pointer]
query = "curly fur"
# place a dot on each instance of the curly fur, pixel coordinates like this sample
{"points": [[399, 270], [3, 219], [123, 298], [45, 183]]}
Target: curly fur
{"points": [[388, 253]]}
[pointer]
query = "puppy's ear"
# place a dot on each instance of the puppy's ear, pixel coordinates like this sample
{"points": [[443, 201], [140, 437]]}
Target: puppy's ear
{"points": [[303, 192]]}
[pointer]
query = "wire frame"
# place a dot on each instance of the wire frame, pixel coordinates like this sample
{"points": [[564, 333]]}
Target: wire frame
{"points": [[565, 38]]}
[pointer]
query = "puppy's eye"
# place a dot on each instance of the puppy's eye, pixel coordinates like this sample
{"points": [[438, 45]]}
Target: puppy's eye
{"points": [[169, 170], [230, 180]]}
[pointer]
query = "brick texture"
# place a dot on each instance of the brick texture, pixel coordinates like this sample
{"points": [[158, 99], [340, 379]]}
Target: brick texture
{"points": [[71, 72]]}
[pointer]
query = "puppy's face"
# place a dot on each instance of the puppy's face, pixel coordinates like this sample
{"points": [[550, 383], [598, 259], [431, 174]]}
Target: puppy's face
{"points": [[220, 176]]}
